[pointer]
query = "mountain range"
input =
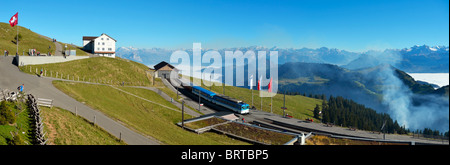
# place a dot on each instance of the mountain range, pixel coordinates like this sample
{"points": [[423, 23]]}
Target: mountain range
{"points": [[416, 59], [376, 79]]}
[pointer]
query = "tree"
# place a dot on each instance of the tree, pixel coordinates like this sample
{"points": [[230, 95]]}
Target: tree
{"points": [[316, 111]]}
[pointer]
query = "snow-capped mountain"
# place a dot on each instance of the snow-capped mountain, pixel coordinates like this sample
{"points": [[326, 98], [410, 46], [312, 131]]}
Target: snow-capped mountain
{"points": [[417, 59], [148, 57], [320, 55]]}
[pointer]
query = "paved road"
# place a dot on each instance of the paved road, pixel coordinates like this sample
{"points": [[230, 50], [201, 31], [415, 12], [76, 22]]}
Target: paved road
{"points": [[11, 78], [59, 50], [58, 47]]}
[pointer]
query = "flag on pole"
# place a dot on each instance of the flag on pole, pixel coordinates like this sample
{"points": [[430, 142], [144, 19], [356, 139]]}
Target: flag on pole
{"points": [[251, 82], [259, 83], [14, 20], [270, 85]]}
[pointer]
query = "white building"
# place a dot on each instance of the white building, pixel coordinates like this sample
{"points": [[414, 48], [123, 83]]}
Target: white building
{"points": [[103, 45]]}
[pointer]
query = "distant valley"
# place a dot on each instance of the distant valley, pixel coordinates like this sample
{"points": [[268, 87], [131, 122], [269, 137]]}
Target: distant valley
{"points": [[377, 79]]}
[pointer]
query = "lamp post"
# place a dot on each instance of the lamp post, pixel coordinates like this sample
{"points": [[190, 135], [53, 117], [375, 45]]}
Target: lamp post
{"points": [[182, 114]]}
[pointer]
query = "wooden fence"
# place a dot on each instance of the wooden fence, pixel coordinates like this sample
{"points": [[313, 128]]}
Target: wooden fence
{"points": [[39, 125]]}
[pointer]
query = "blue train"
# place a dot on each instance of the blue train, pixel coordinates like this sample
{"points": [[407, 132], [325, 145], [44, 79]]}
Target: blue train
{"points": [[222, 100]]}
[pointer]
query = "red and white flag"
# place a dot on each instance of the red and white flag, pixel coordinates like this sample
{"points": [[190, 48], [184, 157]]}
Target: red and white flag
{"points": [[270, 85], [14, 20]]}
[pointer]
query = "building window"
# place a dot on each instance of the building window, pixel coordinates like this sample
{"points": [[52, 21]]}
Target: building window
{"points": [[98, 43], [102, 38], [103, 43], [109, 49], [103, 48], [107, 39]]}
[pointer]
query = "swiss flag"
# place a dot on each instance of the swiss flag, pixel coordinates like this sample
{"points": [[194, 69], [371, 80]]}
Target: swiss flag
{"points": [[270, 85], [14, 20]]}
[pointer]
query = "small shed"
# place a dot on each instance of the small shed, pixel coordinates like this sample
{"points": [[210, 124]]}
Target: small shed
{"points": [[163, 69]]}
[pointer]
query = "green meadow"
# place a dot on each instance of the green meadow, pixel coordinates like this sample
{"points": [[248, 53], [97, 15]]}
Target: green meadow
{"points": [[147, 118]]}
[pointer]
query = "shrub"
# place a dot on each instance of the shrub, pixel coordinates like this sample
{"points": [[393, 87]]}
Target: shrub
{"points": [[16, 140], [6, 114]]}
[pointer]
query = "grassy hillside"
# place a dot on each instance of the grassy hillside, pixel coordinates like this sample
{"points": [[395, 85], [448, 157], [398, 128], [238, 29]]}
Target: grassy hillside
{"points": [[21, 126], [64, 128], [98, 69], [30, 40], [145, 117]]}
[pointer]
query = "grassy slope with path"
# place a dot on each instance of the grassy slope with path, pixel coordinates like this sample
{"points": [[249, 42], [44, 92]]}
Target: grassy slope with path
{"points": [[97, 69], [145, 117], [65, 128]]}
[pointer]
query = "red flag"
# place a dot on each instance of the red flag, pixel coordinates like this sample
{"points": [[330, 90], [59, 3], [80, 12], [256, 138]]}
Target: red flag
{"points": [[259, 83], [14, 20], [270, 85]]}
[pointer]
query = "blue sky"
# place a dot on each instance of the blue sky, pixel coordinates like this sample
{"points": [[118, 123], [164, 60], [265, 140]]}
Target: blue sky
{"points": [[353, 25]]}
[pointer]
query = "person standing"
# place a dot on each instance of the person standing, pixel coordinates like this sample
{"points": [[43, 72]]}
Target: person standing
{"points": [[20, 88]]}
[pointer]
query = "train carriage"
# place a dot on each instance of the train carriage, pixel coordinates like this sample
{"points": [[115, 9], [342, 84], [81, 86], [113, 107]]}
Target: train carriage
{"points": [[222, 100], [233, 104], [204, 94]]}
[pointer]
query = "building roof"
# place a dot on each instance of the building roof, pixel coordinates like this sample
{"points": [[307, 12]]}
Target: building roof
{"points": [[93, 37], [162, 64], [89, 38], [108, 36]]}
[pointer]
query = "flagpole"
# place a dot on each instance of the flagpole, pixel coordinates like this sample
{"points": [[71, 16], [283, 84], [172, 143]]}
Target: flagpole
{"points": [[252, 96], [251, 87], [17, 41]]}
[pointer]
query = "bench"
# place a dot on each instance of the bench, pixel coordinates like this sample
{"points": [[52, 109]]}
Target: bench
{"points": [[45, 102]]}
